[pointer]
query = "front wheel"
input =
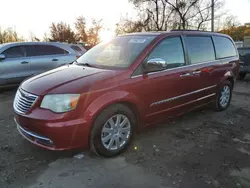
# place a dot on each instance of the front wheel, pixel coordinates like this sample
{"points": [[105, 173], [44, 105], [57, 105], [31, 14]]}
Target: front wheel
{"points": [[224, 96], [113, 130]]}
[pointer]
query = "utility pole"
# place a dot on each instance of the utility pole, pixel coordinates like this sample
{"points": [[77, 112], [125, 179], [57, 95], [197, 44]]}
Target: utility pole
{"points": [[212, 16]]}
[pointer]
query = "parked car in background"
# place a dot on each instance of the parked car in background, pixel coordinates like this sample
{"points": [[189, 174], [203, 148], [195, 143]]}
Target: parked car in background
{"points": [[238, 44], [244, 62], [124, 85], [21, 60], [78, 48]]}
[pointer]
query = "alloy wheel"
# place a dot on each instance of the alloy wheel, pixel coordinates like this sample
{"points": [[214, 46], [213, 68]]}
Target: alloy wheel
{"points": [[225, 96], [116, 132]]}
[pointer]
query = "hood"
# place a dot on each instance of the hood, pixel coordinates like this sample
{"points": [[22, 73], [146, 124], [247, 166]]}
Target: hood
{"points": [[60, 77]]}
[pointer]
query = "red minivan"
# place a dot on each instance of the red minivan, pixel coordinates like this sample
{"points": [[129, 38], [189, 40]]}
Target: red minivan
{"points": [[120, 86]]}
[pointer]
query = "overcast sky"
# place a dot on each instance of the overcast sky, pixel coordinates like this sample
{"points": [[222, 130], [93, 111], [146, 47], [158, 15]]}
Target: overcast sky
{"points": [[36, 15]]}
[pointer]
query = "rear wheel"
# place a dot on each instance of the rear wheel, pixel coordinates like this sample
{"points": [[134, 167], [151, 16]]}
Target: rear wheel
{"points": [[242, 75], [113, 130], [224, 96]]}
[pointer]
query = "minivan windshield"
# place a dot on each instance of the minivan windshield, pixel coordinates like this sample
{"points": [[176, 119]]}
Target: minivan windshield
{"points": [[119, 52]]}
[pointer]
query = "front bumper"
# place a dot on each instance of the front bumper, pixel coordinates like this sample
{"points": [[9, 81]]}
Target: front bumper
{"points": [[244, 68], [54, 135]]}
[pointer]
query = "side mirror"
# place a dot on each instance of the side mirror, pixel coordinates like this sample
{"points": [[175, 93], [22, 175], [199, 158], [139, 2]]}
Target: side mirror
{"points": [[155, 64], [2, 57]]}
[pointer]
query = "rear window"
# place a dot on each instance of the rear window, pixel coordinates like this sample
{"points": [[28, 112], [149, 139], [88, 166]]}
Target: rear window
{"points": [[42, 50], [76, 48], [224, 47], [200, 49]]}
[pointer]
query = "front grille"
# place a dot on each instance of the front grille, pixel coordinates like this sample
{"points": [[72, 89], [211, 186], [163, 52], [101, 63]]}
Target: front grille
{"points": [[23, 101]]}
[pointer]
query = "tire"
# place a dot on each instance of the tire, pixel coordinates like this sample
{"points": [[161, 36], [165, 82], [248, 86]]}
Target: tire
{"points": [[105, 129], [242, 75], [219, 104]]}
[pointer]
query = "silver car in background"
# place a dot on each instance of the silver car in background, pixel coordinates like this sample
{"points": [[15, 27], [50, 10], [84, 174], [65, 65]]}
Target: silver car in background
{"points": [[21, 60]]}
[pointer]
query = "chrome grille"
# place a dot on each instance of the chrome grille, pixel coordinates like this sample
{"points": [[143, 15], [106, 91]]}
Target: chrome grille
{"points": [[23, 101]]}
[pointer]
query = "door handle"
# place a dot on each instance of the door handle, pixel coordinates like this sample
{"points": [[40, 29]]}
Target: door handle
{"points": [[196, 73], [24, 62], [54, 59], [185, 75]]}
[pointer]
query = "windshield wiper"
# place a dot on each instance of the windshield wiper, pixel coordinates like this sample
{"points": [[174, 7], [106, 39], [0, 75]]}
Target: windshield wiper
{"points": [[85, 64], [82, 64]]}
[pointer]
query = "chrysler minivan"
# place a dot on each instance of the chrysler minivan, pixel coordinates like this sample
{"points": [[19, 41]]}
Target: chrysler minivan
{"points": [[123, 85]]}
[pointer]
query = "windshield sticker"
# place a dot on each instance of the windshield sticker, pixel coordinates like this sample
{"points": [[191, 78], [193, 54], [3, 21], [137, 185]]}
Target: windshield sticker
{"points": [[138, 41]]}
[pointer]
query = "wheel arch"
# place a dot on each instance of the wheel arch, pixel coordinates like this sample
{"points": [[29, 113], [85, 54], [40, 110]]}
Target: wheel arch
{"points": [[229, 76], [231, 80], [106, 100]]}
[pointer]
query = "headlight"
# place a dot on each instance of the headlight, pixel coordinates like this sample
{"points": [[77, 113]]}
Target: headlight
{"points": [[60, 102]]}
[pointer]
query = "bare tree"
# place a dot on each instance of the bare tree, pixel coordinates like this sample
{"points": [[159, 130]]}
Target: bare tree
{"points": [[204, 16], [163, 15], [33, 38], [230, 22], [129, 26], [154, 15], [46, 37], [158, 15], [194, 13], [183, 10]]}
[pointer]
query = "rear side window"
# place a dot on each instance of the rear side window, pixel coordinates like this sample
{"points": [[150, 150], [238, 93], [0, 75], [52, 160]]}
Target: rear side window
{"points": [[42, 50], [76, 48], [15, 52], [224, 47], [200, 49], [171, 50]]}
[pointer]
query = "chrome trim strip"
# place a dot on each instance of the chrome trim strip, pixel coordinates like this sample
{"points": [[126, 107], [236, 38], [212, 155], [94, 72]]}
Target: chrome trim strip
{"points": [[28, 94], [136, 76], [19, 128], [207, 96], [166, 70], [214, 61], [180, 96], [190, 102]]}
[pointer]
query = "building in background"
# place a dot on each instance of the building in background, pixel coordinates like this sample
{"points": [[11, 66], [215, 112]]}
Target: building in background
{"points": [[247, 24]]}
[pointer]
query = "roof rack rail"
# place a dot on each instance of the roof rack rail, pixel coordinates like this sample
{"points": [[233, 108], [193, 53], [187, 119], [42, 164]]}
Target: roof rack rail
{"points": [[189, 30]]}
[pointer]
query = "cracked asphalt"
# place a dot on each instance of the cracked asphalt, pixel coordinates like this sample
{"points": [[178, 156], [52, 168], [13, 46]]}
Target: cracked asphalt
{"points": [[201, 149]]}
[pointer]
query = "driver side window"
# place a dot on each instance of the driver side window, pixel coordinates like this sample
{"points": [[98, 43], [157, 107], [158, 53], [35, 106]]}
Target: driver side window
{"points": [[171, 51]]}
